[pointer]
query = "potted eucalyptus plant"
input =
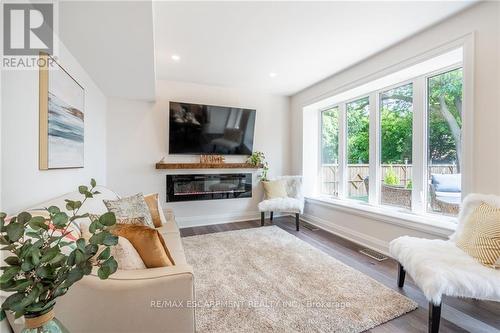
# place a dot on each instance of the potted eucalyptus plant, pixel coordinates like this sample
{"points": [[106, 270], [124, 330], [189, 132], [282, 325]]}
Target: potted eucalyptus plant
{"points": [[42, 264]]}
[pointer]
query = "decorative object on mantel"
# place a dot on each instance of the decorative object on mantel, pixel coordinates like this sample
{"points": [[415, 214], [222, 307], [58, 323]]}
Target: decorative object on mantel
{"points": [[258, 159], [61, 114], [212, 159], [46, 259], [177, 166]]}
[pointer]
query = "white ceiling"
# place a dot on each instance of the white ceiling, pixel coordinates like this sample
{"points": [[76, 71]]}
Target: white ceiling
{"points": [[238, 44], [113, 41], [235, 44]]}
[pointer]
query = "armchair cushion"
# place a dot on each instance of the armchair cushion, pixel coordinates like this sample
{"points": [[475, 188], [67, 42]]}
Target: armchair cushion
{"points": [[439, 267], [289, 205], [447, 182], [274, 189]]}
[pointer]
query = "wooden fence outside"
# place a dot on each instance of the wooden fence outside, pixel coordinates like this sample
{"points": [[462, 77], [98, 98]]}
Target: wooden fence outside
{"points": [[358, 172]]}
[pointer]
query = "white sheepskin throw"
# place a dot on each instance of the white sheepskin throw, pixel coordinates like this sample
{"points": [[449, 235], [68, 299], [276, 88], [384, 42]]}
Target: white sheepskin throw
{"points": [[439, 267]]}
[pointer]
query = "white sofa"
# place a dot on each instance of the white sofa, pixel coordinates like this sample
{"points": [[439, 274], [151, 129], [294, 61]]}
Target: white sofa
{"points": [[147, 300]]}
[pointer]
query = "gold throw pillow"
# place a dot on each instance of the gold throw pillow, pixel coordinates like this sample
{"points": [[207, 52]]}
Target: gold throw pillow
{"points": [[154, 208], [148, 242], [274, 189], [480, 237]]}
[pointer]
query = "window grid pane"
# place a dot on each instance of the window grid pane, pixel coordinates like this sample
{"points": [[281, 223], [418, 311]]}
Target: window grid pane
{"points": [[358, 144], [396, 131], [330, 151], [444, 128]]}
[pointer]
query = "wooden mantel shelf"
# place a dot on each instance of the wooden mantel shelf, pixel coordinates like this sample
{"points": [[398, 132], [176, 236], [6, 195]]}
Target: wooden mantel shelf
{"points": [[163, 165]]}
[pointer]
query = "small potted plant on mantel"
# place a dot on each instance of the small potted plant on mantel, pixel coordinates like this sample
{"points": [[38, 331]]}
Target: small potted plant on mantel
{"points": [[258, 159], [42, 264]]}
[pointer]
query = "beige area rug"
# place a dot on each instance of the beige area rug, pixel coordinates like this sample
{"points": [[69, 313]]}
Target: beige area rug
{"points": [[267, 280]]}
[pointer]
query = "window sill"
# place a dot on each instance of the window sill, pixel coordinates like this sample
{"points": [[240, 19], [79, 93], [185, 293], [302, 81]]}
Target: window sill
{"points": [[438, 225]]}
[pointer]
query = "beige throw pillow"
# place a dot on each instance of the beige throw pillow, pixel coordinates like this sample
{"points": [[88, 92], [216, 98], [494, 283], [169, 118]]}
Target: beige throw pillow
{"points": [[274, 189], [480, 237], [130, 207]]}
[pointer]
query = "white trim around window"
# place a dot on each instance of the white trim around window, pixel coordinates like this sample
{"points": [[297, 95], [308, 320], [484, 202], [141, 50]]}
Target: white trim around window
{"points": [[418, 214]]}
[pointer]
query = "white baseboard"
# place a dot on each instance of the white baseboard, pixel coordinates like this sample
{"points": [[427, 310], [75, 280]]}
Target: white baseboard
{"points": [[349, 234], [201, 220]]}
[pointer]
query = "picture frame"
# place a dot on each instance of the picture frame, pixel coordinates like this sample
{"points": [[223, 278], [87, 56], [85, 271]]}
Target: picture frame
{"points": [[61, 117]]}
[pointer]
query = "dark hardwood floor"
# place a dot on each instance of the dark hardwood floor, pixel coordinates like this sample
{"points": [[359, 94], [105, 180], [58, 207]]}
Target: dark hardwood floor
{"points": [[458, 315]]}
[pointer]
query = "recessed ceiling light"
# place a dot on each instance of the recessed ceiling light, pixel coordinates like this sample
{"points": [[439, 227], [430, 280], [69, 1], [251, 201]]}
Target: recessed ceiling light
{"points": [[175, 57], [272, 74]]}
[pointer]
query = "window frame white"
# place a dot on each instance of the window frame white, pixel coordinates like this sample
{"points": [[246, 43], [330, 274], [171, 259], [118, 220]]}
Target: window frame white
{"points": [[419, 143]]}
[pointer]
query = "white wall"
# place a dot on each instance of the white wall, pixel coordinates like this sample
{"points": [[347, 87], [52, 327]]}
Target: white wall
{"points": [[138, 138], [483, 21], [23, 184]]}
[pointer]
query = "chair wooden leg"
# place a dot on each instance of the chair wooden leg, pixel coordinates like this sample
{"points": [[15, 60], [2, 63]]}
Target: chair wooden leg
{"points": [[262, 216], [297, 221], [401, 275], [271, 218], [434, 317]]}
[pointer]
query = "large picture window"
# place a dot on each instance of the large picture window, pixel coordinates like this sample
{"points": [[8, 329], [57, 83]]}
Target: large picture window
{"points": [[399, 147]]}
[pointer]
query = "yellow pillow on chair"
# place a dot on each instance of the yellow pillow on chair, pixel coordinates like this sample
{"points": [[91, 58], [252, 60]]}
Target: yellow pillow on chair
{"points": [[275, 189]]}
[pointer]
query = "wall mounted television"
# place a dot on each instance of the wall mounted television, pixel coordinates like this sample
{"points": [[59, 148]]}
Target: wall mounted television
{"points": [[210, 129]]}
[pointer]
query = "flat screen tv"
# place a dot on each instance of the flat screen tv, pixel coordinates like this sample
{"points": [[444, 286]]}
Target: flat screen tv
{"points": [[209, 129]]}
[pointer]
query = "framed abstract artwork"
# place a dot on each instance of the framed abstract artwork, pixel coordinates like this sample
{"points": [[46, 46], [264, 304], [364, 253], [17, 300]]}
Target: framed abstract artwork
{"points": [[61, 114]]}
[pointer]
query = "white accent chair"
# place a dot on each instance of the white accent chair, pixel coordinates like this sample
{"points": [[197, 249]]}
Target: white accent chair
{"points": [[293, 203], [440, 268]]}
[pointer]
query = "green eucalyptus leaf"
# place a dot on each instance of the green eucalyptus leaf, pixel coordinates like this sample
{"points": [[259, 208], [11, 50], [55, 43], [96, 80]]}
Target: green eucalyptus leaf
{"points": [[9, 247], [53, 210], [111, 264], [35, 256], [13, 261], [27, 266], [38, 222], [79, 257], [104, 254], [71, 258], [15, 231], [103, 272], [33, 234], [107, 219], [2, 315], [80, 244], [83, 189], [50, 254], [12, 300], [9, 274], [44, 272], [93, 183], [60, 219], [58, 260], [110, 239], [23, 217], [21, 285], [91, 249], [74, 275], [97, 239]]}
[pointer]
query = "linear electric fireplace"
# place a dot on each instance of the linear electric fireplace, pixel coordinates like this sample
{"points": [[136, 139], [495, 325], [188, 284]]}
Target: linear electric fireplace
{"points": [[209, 186]]}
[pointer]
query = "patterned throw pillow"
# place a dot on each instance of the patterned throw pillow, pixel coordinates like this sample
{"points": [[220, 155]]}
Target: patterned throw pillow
{"points": [[480, 237], [130, 207], [131, 220]]}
